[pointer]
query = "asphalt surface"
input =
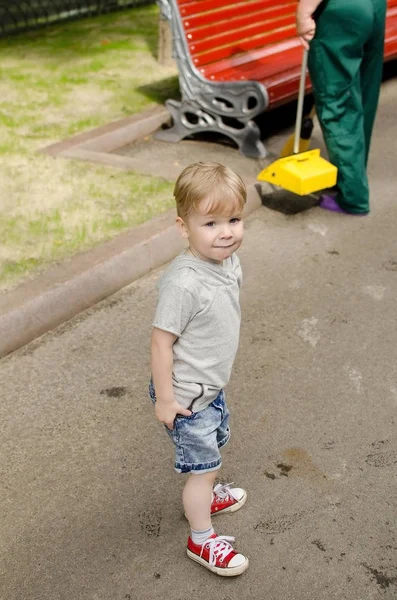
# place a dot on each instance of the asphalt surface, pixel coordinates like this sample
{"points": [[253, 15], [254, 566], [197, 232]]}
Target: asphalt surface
{"points": [[90, 506]]}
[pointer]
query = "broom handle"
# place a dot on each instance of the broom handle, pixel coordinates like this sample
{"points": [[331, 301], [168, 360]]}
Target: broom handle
{"points": [[301, 97]]}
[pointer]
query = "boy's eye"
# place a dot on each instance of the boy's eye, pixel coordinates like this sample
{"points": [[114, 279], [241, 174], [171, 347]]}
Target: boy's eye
{"points": [[235, 220], [210, 224]]}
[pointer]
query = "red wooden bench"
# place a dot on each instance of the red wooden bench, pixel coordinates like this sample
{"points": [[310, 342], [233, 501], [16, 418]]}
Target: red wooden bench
{"points": [[237, 59]]}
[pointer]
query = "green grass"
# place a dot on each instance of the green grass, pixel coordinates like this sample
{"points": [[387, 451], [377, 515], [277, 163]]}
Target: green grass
{"points": [[54, 83]]}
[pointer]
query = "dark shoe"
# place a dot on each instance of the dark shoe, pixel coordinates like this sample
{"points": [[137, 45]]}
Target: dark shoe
{"points": [[329, 202]]}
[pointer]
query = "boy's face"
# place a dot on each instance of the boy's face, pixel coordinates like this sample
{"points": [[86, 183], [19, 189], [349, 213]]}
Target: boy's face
{"points": [[212, 237]]}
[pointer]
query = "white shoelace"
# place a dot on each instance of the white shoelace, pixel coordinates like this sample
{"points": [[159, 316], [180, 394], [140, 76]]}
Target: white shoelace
{"points": [[219, 547], [224, 491]]}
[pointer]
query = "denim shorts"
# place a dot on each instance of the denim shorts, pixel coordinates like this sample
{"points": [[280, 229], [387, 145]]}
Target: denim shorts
{"points": [[199, 437]]}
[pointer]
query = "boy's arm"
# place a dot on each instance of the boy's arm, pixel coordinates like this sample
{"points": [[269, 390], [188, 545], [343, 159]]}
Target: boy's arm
{"points": [[305, 24], [162, 362]]}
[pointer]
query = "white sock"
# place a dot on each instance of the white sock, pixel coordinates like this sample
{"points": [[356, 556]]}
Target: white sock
{"points": [[199, 537]]}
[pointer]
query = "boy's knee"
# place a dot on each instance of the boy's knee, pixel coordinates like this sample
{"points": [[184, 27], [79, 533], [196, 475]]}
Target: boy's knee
{"points": [[208, 476]]}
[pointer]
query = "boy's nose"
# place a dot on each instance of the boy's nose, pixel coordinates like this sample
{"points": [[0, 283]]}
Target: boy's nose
{"points": [[226, 232]]}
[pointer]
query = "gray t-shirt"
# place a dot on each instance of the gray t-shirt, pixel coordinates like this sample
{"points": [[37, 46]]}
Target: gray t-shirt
{"points": [[199, 303]]}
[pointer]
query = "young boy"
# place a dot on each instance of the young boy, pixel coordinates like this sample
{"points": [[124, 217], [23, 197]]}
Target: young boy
{"points": [[194, 342]]}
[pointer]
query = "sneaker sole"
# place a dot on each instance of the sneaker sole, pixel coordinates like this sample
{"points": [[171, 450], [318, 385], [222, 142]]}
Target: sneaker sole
{"points": [[223, 572], [229, 509]]}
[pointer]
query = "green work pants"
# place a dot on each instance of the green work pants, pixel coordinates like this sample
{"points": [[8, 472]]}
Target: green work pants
{"points": [[345, 65]]}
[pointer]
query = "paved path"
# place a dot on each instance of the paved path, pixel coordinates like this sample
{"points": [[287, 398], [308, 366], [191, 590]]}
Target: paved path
{"points": [[90, 506]]}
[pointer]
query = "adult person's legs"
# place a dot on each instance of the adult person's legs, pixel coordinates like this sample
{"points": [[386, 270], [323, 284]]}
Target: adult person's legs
{"points": [[338, 72], [371, 70]]}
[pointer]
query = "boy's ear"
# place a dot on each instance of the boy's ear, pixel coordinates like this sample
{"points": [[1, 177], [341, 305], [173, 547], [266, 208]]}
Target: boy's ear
{"points": [[180, 223]]}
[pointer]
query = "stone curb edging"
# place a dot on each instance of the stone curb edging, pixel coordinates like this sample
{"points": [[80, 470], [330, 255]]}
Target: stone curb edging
{"points": [[38, 306]]}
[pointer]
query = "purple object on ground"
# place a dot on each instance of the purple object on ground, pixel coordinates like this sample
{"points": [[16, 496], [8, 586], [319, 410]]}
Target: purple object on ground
{"points": [[329, 202]]}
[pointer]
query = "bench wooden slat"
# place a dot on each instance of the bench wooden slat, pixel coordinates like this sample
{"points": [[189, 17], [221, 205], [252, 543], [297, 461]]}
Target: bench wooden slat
{"points": [[267, 20], [266, 62], [239, 10], [278, 72], [193, 7], [392, 12], [391, 33], [233, 36], [284, 89], [245, 45]]}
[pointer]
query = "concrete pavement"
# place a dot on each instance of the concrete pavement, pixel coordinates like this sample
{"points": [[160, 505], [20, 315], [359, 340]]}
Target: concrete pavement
{"points": [[90, 506]]}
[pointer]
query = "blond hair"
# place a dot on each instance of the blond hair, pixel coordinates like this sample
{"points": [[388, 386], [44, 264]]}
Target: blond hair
{"points": [[224, 190]]}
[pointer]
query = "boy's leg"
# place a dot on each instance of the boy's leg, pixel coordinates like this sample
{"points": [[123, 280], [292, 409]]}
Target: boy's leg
{"points": [[202, 437], [204, 546], [223, 498], [197, 498]]}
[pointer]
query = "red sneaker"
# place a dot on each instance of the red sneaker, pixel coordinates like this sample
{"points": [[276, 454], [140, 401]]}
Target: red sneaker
{"points": [[218, 555], [227, 499]]}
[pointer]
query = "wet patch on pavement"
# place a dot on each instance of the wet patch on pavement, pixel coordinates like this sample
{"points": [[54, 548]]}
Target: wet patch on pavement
{"points": [[296, 462], [279, 524], [390, 265], [150, 522], [380, 578], [114, 392], [381, 456], [319, 545]]}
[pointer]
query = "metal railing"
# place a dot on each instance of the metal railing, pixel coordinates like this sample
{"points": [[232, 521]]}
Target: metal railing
{"points": [[21, 15]]}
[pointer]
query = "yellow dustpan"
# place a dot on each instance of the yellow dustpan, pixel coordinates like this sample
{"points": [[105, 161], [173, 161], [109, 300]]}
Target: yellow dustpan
{"points": [[303, 172]]}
